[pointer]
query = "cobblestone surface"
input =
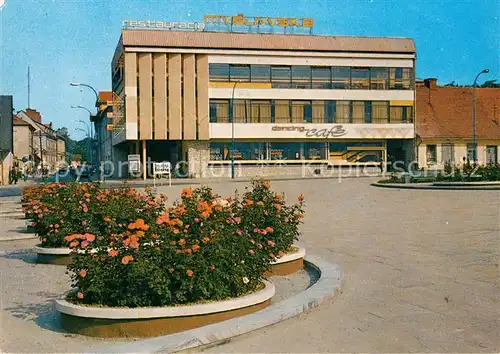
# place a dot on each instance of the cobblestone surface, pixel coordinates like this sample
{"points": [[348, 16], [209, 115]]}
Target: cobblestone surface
{"points": [[421, 275]]}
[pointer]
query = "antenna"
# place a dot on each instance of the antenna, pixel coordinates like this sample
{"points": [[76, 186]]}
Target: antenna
{"points": [[29, 87]]}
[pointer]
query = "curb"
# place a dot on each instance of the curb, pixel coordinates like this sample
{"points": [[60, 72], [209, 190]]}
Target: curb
{"points": [[326, 288], [426, 186]]}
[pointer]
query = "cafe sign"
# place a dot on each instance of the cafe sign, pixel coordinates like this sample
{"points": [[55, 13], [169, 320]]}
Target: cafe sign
{"points": [[332, 132], [164, 25]]}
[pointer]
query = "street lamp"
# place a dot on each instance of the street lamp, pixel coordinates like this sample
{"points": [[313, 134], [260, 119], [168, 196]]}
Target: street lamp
{"points": [[474, 151], [231, 116], [90, 87]]}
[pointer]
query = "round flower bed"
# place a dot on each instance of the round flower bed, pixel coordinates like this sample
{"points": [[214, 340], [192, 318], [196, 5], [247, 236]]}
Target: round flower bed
{"points": [[203, 248], [291, 262], [109, 322]]}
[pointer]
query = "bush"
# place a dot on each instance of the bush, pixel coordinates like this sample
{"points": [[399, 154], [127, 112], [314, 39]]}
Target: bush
{"points": [[203, 248], [59, 210]]}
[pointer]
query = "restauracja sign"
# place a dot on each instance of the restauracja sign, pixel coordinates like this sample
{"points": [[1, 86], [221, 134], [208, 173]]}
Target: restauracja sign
{"points": [[334, 132]]}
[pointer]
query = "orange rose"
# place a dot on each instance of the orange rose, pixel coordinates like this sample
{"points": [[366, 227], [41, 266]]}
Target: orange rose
{"points": [[127, 259], [196, 248], [189, 273], [277, 206], [69, 238], [83, 273], [113, 253], [186, 193], [90, 237], [80, 295], [301, 197]]}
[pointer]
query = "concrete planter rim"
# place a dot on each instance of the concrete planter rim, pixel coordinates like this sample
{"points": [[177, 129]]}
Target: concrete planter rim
{"points": [[62, 251], [255, 298], [300, 253]]}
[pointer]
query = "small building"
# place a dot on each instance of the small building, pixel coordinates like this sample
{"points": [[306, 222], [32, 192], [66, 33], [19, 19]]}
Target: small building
{"points": [[445, 125]]}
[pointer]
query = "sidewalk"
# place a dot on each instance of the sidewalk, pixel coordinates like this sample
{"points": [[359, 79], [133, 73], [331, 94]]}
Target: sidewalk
{"points": [[138, 183]]}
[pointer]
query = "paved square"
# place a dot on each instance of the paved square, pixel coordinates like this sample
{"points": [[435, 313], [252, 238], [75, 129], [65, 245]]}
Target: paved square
{"points": [[421, 270]]}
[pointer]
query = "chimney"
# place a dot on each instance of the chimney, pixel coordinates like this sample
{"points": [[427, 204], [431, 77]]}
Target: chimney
{"points": [[34, 114], [430, 83]]}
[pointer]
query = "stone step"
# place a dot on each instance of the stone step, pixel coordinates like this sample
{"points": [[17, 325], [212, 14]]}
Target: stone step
{"points": [[12, 214]]}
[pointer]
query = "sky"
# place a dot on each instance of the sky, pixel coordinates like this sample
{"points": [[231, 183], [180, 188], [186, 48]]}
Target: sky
{"points": [[65, 41]]}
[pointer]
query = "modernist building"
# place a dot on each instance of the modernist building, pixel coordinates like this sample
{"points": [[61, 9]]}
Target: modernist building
{"points": [[319, 101], [445, 125]]}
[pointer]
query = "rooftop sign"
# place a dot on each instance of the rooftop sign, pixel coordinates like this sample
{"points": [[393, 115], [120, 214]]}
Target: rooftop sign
{"points": [[168, 25], [241, 20]]}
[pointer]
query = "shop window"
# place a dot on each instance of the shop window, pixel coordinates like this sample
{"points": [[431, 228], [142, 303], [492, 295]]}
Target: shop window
{"points": [[301, 77], [242, 151], [341, 77], [321, 77], [219, 72], [330, 108], [379, 78], [380, 112], [358, 112], [431, 154], [285, 151], [281, 76], [368, 112], [360, 78], [491, 154], [343, 112], [314, 151], [260, 73], [239, 73]]}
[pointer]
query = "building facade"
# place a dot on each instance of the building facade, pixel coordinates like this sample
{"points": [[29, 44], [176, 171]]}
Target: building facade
{"points": [[293, 104], [445, 125], [47, 149]]}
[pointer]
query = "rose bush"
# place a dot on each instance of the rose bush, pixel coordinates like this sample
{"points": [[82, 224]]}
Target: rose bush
{"points": [[203, 247], [61, 210]]}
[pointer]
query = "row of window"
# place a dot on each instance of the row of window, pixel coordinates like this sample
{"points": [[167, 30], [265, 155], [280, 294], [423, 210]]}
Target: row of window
{"points": [[316, 77], [290, 111], [448, 154], [258, 151]]}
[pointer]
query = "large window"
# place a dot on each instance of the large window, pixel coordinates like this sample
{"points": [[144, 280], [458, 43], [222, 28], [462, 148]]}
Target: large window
{"points": [[242, 151], [301, 112], [358, 112], [318, 112], [341, 77], [281, 76], [282, 112], [260, 111], [400, 78], [380, 112], [301, 76], [360, 78], [379, 78], [343, 112], [448, 154], [219, 111], [396, 114], [260, 73], [240, 111], [470, 152], [316, 77], [321, 77], [219, 72], [239, 73]]}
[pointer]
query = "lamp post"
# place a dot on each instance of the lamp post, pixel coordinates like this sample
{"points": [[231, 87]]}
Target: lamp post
{"points": [[474, 151], [90, 114], [231, 116], [90, 87]]}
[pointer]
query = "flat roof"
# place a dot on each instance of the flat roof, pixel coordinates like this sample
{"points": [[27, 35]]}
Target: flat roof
{"points": [[260, 41]]}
